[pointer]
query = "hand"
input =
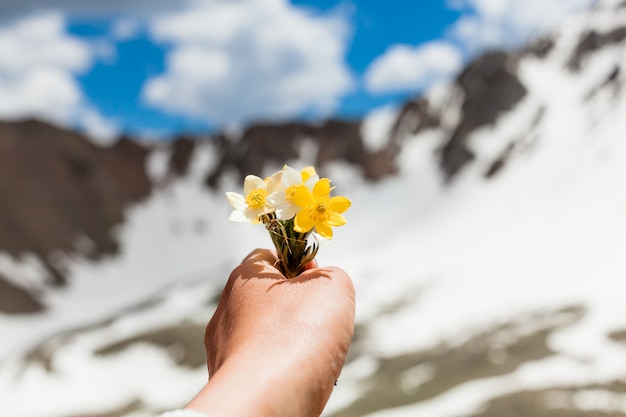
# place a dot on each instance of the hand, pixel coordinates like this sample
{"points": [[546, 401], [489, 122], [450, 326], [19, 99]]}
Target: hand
{"points": [[276, 346]]}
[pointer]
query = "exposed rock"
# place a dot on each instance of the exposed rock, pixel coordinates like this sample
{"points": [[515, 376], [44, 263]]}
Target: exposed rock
{"points": [[612, 80], [540, 48], [446, 367], [553, 402], [57, 187], [182, 150], [490, 88], [60, 189], [63, 193], [272, 144], [415, 117], [593, 41], [183, 343], [500, 161], [618, 336], [15, 300]]}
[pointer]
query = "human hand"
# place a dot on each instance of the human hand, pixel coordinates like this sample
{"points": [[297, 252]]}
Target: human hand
{"points": [[276, 346]]}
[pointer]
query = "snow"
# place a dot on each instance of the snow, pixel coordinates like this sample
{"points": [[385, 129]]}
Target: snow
{"points": [[26, 271], [547, 232], [377, 126], [105, 387], [168, 237]]}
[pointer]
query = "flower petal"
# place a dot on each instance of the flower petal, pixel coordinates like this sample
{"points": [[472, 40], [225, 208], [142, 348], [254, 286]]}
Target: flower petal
{"points": [[238, 216], [285, 208], [324, 230], [302, 223], [302, 196], [336, 219], [339, 204], [277, 199], [287, 212], [274, 182], [310, 182], [307, 172], [291, 177], [253, 213], [252, 182], [236, 201], [322, 188]]}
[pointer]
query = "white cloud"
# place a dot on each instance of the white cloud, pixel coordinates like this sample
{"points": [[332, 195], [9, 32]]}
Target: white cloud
{"points": [[12, 10], [38, 63], [492, 24], [404, 67], [40, 41], [234, 62], [48, 93], [126, 28], [483, 25]]}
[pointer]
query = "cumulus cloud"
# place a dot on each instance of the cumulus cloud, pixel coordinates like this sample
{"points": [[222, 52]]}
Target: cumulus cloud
{"points": [[126, 28], [12, 10], [483, 25], [38, 63], [404, 67], [489, 24], [233, 62]]}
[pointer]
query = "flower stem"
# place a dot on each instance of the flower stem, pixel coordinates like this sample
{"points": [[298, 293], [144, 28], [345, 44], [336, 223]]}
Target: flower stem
{"points": [[293, 248]]}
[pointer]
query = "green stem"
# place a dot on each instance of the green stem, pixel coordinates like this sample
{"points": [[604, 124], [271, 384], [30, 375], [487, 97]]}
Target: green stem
{"points": [[293, 248]]}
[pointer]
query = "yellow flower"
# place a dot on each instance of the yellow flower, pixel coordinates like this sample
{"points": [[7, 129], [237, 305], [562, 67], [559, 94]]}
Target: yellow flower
{"points": [[318, 209], [307, 173], [253, 205], [291, 179]]}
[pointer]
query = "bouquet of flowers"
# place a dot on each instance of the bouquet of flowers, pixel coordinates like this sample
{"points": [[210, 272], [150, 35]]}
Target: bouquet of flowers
{"points": [[291, 205]]}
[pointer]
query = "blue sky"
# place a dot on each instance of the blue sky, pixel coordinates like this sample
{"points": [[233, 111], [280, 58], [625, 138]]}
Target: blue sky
{"points": [[161, 68]]}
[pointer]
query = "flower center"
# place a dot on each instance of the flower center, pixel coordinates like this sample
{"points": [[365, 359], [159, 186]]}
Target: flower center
{"points": [[256, 198], [290, 192], [320, 209]]}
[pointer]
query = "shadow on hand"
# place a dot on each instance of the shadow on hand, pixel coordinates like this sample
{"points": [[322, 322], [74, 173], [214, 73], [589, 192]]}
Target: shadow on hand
{"points": [[263, 264]]}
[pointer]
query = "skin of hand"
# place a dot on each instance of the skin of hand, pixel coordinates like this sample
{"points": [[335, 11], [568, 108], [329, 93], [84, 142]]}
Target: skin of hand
{"points": [[276, 346]]}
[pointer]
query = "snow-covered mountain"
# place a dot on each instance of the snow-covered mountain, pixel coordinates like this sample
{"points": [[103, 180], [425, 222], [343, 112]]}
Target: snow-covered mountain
{"points": [[486, 241]]}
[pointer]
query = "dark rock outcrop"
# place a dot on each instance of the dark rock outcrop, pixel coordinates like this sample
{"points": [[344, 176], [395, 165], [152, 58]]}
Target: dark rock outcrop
{"points": [[540, 48], [63, 193], [182, 151], [593, 41], [57, 186], [15, 300], [273, 144], [490, 88]]}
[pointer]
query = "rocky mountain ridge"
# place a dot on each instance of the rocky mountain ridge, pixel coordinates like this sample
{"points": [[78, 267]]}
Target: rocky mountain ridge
{"points": [[60, 190]]}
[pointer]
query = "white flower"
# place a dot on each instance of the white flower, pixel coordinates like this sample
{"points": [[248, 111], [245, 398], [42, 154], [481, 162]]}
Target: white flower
{"points": [[255, 202], [273, 183], [282, 199]]}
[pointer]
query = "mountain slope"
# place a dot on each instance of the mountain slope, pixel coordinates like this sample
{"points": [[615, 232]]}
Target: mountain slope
{"points": [[65, 196], [489, 270]]}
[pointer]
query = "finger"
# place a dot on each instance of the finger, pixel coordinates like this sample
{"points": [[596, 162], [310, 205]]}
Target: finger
{"points": [[260, 255], [311, 264], [335, 277]]}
